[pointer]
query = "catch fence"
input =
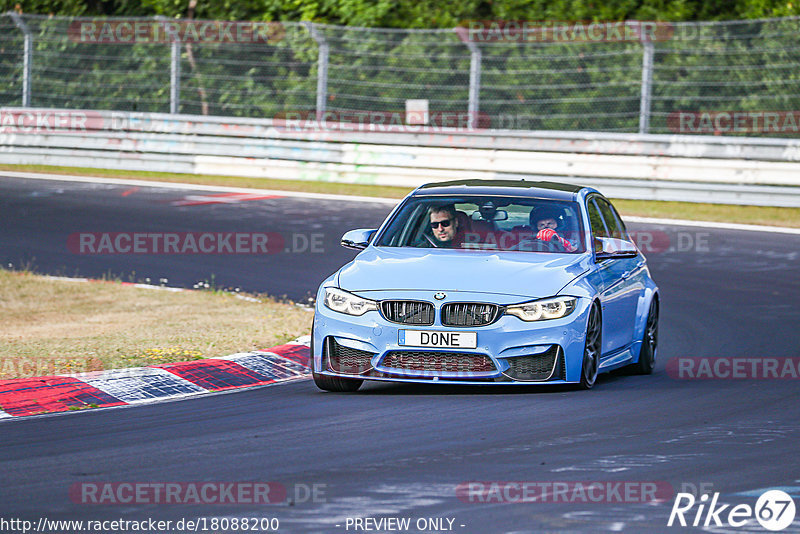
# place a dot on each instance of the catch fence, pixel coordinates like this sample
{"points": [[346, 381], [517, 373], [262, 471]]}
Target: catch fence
{"points": [[728, 78]]}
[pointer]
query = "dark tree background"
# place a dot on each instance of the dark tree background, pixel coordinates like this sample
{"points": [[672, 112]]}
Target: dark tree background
{"points": [[418, 13]]}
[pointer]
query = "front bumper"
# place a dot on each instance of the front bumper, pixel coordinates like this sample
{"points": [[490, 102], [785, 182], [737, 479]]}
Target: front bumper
{"points": [[509, 351]]}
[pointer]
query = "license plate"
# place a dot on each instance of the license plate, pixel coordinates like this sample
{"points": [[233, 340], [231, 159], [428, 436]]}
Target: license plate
{"points": [[430, 338]]}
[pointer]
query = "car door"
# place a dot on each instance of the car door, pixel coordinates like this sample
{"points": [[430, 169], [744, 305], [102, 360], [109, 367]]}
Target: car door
{"points": [[621, 278]]}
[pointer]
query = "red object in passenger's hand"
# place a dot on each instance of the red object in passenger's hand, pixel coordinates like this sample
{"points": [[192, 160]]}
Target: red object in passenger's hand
{"points": [[546, 234]]}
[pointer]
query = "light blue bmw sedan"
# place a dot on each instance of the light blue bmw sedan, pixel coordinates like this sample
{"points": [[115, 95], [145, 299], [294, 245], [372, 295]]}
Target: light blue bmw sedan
{"points": [[488, 282]]}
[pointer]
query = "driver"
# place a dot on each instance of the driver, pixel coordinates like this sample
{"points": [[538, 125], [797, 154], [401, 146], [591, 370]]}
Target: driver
{"points": [[444, 226], [546, 226]]}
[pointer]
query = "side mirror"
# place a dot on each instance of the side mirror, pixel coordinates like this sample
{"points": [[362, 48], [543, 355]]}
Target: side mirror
{"points": [[357, 239], [610, 247]]}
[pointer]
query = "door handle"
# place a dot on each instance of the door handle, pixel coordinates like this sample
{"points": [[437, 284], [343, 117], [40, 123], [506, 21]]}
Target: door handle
{"points": [[627, 274]]}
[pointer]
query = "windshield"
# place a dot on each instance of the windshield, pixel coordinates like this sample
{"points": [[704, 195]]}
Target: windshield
{"points": [[486, 223]]}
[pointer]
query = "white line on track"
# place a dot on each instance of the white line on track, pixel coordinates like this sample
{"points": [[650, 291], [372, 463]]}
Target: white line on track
{"points": [[194, 187], [352, 198], [720, 225]]}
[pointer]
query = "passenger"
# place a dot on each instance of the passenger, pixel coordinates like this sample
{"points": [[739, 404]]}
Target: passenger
{"points": [[546, 226]]}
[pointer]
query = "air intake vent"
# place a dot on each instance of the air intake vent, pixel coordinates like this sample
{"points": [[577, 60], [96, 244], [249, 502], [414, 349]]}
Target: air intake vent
{"points": [[448, 362], [345, 360], [537, 367]]}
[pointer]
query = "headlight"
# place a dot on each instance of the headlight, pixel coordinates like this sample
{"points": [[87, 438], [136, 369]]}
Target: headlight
{"points": [[344, 302], [541, 310]]}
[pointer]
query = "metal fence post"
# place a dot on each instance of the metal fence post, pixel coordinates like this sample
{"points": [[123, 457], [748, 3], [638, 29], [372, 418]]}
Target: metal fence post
{"points": [[322, 69], [647, 86], [175, 77], [474, 84], [174, 65], [27, 58]]}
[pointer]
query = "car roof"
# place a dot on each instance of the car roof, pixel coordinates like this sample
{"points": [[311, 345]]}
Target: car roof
{"points": [[516, 188]]}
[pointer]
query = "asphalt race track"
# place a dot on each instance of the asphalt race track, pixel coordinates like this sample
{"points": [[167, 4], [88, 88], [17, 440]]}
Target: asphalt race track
{"points": [[38, 218], [403, 451]]}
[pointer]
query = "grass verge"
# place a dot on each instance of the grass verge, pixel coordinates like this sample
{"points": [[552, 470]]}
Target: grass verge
{"points": [[56, 327], [761, 215]]}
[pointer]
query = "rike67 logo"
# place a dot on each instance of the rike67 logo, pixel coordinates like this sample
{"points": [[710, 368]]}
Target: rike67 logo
{"points": [[774, 510]]}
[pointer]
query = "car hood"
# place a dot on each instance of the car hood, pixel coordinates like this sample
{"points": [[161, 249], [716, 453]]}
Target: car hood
{"points": [[527, 274]]}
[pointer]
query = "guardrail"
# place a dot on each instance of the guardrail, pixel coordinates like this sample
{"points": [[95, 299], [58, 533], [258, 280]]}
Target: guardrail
{"points": [[732, 170]]}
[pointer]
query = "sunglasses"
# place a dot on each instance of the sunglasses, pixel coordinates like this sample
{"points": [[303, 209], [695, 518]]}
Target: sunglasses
{"points": [[445, 223]]}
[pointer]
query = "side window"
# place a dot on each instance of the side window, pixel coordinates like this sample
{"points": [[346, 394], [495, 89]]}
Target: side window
{"points": [[621, 222], [596, 222], [614, 224]]}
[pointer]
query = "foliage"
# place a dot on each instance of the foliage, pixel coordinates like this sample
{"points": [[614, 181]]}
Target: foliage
{"points": [[417, 13], [746, 65]]}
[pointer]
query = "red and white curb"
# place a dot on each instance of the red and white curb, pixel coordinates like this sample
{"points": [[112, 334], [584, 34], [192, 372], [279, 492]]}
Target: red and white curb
{"points": [[120, 387]]}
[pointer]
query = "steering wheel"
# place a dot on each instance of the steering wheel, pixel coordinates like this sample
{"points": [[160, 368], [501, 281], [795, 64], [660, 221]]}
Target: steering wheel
{"points": [[558, 245], [431, 240]]}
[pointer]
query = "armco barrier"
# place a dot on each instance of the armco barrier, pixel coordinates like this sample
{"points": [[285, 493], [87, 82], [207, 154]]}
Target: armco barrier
{"points": [[690, 168]]}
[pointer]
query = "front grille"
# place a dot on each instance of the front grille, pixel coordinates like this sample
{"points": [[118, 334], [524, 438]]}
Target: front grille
{"points": [[450, 362], [345, 360], [469, 314], [408, 311], [536, 367]]}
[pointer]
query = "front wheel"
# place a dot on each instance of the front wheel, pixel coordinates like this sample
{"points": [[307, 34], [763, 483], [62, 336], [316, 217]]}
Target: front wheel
{"points": [[591, 351], [335, 383], [331, 383]]}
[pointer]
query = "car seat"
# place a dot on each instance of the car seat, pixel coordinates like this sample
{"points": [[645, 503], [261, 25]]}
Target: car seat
{"points": [[464, 223]]}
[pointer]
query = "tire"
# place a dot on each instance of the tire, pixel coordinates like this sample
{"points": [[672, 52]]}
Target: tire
{"points": [[591, 348], [331, 383], [335, 383], [647, 354]]}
